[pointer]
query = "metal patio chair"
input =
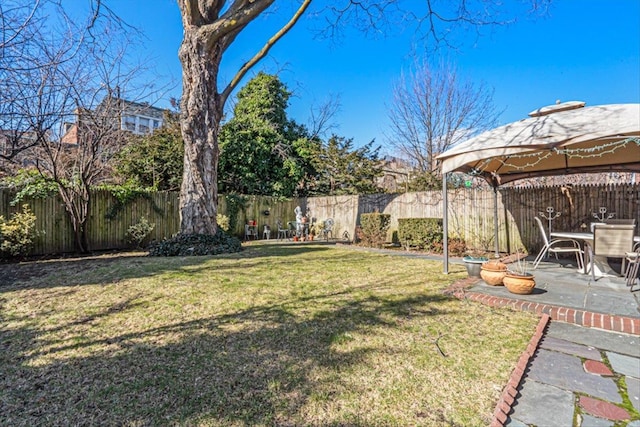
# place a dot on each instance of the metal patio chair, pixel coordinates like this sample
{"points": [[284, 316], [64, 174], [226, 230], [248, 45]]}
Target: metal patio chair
{"points": [[633, 266], [611, 241], [328, 228], [250, 232], [283, 233], [556, 246]]}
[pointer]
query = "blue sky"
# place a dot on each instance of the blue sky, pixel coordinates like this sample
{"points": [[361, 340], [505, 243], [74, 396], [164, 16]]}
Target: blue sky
{"points": [[586, 50]]}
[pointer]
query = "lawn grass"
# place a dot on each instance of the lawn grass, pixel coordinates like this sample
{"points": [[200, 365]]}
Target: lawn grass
{"points": [[279, 334]]}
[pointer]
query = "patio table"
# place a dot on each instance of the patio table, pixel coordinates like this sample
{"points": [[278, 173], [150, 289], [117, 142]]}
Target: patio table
{"points": [[599, 263]]}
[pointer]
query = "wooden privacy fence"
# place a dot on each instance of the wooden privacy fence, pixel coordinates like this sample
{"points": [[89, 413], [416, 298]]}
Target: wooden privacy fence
{"points": [[471, 214], [576, 206], [57, 236]]}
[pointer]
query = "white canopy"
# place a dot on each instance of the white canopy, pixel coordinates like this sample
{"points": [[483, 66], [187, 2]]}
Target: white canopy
{"points": [[560, 139]]}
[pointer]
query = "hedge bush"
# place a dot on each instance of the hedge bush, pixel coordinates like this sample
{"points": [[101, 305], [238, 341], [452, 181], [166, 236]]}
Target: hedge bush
{"points": [[373, 229], [422, 233], [197, 244], [139, 232]]}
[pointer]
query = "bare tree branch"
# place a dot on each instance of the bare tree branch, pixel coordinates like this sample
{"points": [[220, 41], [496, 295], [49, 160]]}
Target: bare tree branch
{"points": [[264, 51], [13, 24], [436, 23], [433, 110], [320, 119], [62, 80]]}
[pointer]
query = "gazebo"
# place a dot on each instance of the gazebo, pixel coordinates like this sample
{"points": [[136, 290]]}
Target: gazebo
{"points": [[565, 138]]}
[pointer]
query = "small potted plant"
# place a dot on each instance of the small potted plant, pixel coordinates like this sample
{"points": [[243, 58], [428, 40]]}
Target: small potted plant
{"points": [[518, 279], [316, 229], [473, 262]]}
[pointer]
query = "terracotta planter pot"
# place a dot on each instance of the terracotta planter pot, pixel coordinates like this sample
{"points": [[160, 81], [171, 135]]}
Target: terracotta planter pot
{"points": [[493, 272], [494, 265], [518, 283]]}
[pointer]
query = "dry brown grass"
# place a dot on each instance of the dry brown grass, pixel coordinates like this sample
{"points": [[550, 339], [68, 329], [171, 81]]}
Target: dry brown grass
{"points": [[276, 335]]}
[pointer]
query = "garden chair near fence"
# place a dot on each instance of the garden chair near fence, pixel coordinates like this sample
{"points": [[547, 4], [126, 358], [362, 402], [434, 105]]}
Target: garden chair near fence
{"points": [[292, 227], [283, 233], [558, 246], [611, 241], [327, 229], [250, 232]]}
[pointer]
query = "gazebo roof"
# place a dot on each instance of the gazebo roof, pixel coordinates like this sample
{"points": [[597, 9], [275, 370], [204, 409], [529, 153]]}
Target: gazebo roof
{"points": [[562, 139]]}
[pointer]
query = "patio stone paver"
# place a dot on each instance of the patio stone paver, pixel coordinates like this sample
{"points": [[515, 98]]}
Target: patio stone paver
{"points": [[626, 365], [554, 400], [566, 372], [609, 304], [603, 340], [567, 347], [603, 409], [633, 391], [597, 368], [591, 421]]}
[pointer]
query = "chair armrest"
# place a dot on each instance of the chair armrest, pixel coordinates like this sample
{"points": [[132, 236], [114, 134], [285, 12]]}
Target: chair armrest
{"points": [[573, 242]]}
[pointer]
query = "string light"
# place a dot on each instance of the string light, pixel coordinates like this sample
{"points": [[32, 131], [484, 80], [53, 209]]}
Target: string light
{"points": [[572, 153]]}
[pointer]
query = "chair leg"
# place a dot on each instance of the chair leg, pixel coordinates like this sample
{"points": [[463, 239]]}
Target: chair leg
{"points": [[592, 264], [586, 261], [540, 256], [580, 260], [631, 273]]}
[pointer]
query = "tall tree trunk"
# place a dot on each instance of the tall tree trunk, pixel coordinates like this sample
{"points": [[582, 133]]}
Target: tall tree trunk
{"points": [[77, 206], [210, 27], [201, 110]]}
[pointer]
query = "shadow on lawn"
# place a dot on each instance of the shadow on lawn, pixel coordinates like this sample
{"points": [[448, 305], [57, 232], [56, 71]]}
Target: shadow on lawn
{"points": [[73, 271], [254, 367]]}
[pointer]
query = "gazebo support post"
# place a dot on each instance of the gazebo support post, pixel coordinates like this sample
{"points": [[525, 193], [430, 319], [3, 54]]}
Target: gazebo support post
{"points": [[445, 224], [495, 220]]}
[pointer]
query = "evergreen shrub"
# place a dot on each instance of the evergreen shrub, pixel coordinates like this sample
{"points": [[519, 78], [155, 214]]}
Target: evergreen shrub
{"points": [[421, 233], [373, 229], [137, 233], [18, 234], [196, 244]]}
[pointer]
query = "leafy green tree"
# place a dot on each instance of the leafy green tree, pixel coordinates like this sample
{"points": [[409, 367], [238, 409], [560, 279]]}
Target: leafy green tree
{"points": [[343, 169], [425, 180], [155, 160], [261, 150]]}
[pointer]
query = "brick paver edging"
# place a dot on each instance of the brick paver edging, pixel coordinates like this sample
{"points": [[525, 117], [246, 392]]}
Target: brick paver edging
{"points": [[627, 325], [501, 413]]}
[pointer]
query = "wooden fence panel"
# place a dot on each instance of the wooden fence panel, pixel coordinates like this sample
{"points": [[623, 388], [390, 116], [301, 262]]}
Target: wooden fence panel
{"points": [[104, 233], [573, 207], [342, 209], [471, 214]]}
